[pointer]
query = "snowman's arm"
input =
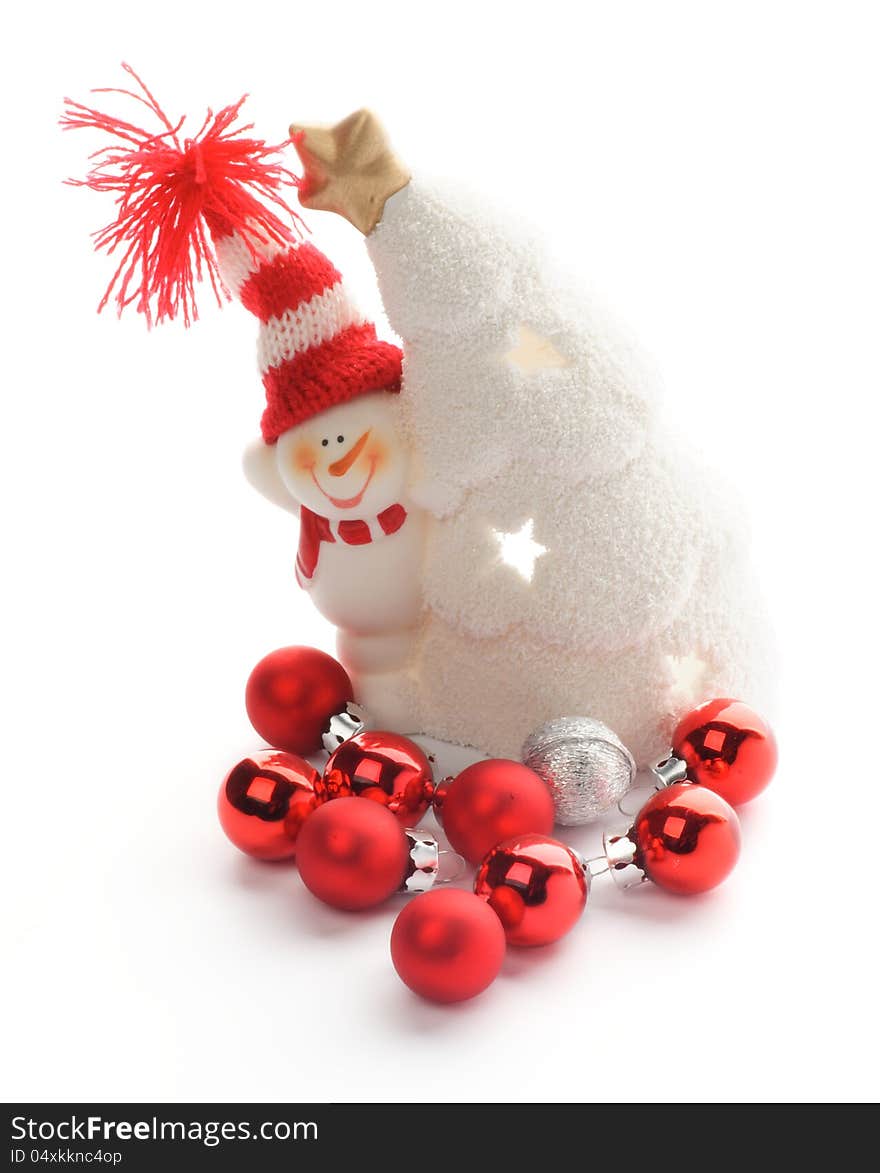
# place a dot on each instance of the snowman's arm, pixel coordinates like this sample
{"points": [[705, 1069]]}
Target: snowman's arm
{"points": [[261, 470]]}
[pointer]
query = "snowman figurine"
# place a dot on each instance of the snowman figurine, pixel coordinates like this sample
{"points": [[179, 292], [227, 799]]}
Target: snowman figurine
{"points": [[332, 451], [211, 208]]}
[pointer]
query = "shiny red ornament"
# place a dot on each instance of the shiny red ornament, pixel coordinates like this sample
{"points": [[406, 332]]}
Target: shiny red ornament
{"points": [[687, 838], [727, 747], [491, 801], [353, 855], [292, 694], [447, 945], [265, 800], [536, 886], [384, 767]]}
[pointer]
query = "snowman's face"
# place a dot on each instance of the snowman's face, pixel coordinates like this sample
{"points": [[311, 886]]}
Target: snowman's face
{"points": [[347, 462]]}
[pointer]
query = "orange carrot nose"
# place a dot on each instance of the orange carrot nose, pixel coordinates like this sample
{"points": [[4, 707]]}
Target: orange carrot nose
{"points": [[341, 466]]}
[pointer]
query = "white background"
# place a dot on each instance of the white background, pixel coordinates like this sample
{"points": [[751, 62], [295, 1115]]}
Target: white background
{"points": [[714, 169]]}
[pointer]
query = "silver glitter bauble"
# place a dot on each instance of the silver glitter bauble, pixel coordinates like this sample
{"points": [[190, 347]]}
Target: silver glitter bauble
{"points": [[586, 766]]}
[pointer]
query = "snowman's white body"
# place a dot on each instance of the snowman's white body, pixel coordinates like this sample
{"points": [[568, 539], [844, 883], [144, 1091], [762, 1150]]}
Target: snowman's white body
{"points": [[373, 590], [373, 595], [524, 409]]}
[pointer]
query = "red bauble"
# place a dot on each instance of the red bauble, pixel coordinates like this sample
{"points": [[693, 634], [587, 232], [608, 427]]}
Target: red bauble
{"points": [[727, 747], [265, 800], [491, 801], [687, 838], [536, 886], [384, 767], [352, 854], [447, 945], [292, 694]]}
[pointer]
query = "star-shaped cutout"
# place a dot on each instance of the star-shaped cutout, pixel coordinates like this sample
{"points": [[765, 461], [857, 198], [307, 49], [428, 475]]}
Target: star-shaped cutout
{"points": [[534, 352], [687, 672], [520, 550], [349, 168]]}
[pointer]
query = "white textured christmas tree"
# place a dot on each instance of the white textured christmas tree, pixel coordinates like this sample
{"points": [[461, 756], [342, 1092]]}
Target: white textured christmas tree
{"points": [[503, 534], [578, 560]]}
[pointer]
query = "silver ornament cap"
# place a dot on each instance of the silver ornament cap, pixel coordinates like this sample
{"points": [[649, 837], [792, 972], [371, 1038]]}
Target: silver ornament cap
{"points": [[424, 861], [622, 857], [584, 763], [669, 771], [341, 726]]}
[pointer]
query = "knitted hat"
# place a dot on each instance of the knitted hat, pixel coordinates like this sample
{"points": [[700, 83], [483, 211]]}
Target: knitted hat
{"points": [[315, 348], [201, 207]]}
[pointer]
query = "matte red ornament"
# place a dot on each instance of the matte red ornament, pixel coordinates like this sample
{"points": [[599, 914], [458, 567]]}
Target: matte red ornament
{"points": [[727, 747], [491, 801], [536, 886], [353, 855], [385, 768], [292, 694], [264, 801], [447, 945], [687, 838]]}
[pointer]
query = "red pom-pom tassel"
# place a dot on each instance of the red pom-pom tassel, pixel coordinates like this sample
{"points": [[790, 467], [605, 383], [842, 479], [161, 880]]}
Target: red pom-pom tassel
{"points": [[172, 192]]}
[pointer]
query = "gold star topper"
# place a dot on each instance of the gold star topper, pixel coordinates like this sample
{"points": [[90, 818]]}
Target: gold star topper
{"points": [[349, 168]]}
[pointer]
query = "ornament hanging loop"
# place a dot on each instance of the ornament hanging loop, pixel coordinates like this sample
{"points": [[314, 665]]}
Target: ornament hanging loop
{"points": [[597, 865], [452, 866]]}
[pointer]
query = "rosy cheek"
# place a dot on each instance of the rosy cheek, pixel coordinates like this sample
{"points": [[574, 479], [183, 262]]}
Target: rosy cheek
{"points": [[305, 457], [378, 454]]}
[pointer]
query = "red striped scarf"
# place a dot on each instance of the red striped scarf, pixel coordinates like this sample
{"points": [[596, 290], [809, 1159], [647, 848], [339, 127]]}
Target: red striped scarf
{"points": [[315, 529]]}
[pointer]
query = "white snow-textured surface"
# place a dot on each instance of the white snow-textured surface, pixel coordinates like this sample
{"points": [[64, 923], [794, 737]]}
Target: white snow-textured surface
{"points": [[645, 561]]}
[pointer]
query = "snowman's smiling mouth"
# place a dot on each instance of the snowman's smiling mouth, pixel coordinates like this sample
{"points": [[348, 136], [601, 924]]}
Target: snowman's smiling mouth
{"points": [[347, 502]]}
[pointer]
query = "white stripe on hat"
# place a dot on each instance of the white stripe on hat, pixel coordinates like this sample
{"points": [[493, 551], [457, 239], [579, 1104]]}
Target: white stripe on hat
{"points": [[315, 321], [236, 261]]}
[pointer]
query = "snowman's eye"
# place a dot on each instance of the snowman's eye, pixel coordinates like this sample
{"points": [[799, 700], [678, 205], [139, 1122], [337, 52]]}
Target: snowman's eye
{"points": [[324, 443], [340, 439]]}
